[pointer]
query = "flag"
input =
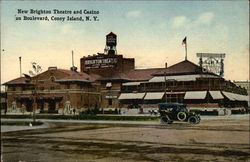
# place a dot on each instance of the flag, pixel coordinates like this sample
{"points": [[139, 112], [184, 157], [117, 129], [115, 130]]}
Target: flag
{"points": [[184, 41]]}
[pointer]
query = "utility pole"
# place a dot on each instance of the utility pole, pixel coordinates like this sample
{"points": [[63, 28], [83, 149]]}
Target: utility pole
{"points": [[72, 58], [165, 80]]}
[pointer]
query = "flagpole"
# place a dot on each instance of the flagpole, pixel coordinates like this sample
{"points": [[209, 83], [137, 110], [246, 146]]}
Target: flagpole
{"points": [[20, 62], [186, 49]]}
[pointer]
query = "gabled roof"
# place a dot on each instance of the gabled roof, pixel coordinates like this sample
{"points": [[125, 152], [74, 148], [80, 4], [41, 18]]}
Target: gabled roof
{"points": [[69, 77], [17, 81], [184, 67], [77, 76]]}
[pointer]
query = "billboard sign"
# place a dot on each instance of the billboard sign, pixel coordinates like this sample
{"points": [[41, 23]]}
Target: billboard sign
{"points": [[100, 63]]}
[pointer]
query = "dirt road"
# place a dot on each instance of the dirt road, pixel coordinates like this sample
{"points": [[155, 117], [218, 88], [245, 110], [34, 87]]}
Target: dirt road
{"points": [[211, 140]]}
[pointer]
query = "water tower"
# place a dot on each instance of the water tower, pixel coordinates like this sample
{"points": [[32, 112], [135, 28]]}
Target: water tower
{"points": [[111, 41]]}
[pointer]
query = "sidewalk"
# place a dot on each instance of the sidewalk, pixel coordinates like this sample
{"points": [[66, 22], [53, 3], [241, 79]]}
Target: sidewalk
{"points": [[12, 128]]}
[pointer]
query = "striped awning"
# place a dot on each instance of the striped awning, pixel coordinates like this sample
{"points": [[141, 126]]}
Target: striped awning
{"points": [[230, 96], [216, 95], [131, 96], [195, 95], [154, 96], [131, 84], [235, 97]]}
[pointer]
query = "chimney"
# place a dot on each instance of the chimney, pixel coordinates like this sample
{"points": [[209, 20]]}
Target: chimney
{"points": [[166, 65]]}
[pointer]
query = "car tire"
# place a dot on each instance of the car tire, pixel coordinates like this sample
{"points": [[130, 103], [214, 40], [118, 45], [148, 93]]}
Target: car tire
{"points": [[193, 120], [181, 116], [166, 120]]}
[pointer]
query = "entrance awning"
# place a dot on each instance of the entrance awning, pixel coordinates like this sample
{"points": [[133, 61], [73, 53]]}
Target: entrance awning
{"points": [[216, 95], [128, 96], [154, 96], [195, 95]]}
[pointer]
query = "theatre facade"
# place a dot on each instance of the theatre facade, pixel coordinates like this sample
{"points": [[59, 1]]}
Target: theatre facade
{"points": [[109, 81]]}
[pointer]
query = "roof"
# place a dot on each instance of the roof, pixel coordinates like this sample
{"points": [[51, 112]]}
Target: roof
{"points": [[111, 33], [143, 74], [76, 76], [71, 76], [191, 77], [115, 76], [19, 80], [184, 67]]}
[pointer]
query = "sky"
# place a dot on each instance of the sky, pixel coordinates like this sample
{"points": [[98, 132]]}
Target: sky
{"points": [[149, 31]]}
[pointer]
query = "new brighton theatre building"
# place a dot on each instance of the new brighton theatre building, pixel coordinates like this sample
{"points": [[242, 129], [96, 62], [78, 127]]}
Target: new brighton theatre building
{"points": [[110, 81]]}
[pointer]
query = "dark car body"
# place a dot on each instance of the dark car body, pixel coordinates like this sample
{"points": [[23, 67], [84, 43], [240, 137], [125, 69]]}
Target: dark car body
{"points": [[170, 112]]}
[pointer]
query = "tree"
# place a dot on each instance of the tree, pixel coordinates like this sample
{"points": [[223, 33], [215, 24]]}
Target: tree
{"points": [[36, 69]]}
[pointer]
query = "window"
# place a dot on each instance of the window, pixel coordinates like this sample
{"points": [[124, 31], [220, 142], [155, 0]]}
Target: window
{"points": [[41, 81], [110, 102], [52, 78]]}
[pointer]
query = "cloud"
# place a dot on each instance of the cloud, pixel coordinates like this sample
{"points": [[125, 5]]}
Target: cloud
{"points": [[134, 13], [182, 21], [205, 18], [179, 21]]}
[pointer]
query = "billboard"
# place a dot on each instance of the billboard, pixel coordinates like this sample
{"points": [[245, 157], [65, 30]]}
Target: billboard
{"points": [[100, 63]]}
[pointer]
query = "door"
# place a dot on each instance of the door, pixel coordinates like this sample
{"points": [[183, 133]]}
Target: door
{"points": [[52, 106]]}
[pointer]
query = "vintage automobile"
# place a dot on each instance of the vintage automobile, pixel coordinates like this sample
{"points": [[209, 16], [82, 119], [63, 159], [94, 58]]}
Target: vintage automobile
{"points": [[170, 112]]}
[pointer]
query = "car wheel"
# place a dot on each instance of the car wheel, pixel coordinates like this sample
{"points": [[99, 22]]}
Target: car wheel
{"points": [[181, 116], [199, 119], [166, 120], [193, 120]]}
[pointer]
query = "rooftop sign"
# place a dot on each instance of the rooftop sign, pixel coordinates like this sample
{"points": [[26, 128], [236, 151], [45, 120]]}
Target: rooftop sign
{"points": [[100, 63]]}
